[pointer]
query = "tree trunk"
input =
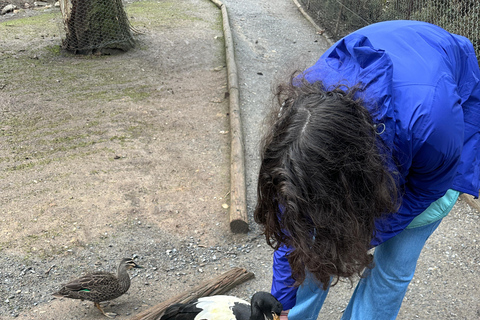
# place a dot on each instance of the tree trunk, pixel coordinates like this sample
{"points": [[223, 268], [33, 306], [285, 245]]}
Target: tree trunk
{"points": [[95, 25]]}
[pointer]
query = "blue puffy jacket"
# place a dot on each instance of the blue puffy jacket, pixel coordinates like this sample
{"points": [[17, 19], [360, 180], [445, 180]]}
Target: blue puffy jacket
{"points": [[423, 84]]}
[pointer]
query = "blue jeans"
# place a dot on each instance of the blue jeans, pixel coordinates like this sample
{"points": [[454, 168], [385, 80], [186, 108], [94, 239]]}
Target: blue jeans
{"points": [[379, 294]]}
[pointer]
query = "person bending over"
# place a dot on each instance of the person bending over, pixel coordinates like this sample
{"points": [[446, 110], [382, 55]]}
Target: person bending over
{"points": [[368, 148]]}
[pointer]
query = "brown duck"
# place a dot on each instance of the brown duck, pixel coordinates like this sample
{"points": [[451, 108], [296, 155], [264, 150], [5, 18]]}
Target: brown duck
{"points": [[100, 286]]}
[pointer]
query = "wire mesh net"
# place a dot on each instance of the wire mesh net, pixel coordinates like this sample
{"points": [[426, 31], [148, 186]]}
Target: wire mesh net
{"points": [[95, 25], [341, 17]]}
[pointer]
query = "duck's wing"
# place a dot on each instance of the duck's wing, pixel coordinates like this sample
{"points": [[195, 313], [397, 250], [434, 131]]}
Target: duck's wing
{"points": [[181, 311], [91, 281]]}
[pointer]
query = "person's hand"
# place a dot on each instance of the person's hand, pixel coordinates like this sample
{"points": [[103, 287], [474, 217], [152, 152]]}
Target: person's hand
{"points": [[284, 315]]}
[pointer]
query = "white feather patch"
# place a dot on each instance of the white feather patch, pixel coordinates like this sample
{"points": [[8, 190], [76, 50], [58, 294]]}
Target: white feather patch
{"points": [[217, 307]]}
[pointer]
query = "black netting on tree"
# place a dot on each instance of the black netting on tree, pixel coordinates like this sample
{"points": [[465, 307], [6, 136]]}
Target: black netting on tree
{"points": [[96, 25]]}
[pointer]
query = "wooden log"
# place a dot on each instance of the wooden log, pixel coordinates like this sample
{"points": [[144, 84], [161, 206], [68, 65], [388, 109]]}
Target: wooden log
{"points": [[218, 285], [238, 194]]}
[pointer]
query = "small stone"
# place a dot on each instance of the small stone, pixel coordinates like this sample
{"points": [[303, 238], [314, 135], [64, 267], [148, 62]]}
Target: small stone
{"points": [[9, 8]]}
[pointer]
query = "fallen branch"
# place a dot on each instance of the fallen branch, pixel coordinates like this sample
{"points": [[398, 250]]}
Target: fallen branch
{"points": [[219, 285]]}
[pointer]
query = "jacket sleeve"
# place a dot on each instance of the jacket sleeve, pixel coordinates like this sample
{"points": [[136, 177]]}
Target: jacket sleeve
{"points": [[282, 282], [431, 148]]}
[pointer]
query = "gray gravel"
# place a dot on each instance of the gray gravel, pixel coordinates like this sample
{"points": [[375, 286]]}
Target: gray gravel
{"points": [[170, 265]]}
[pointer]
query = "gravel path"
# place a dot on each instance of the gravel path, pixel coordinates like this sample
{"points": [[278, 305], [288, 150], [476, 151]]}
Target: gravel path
{"points": [[271, 39]]}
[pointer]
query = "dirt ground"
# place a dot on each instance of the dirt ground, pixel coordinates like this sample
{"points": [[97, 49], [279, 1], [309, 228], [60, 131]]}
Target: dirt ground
{"points": [[105, 157]]}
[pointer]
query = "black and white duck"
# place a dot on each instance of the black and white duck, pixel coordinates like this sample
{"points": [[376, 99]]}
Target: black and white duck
{"points": [[262, 306], [100, 286]]}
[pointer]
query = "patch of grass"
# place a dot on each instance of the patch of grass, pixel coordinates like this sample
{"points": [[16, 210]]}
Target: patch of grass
{"points": [[137, 93], [82, 150], [119, 138], [94, 123], [23, 166], [137, 129], [100, 95], [55, 50], [4, 159], [170, 13], [83, 80], [31, 27]]}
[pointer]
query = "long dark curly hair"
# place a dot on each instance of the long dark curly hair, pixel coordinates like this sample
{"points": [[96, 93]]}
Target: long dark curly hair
{"points": [[323, 180]]}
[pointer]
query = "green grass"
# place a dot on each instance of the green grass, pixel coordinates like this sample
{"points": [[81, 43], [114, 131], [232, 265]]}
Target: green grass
{"points": [[171, 13], [30, 28]]}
